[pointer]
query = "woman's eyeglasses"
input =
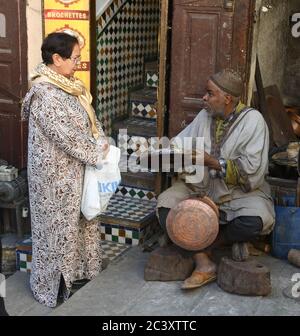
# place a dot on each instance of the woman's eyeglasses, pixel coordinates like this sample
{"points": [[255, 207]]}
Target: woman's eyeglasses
{"points": [[76, 59]]}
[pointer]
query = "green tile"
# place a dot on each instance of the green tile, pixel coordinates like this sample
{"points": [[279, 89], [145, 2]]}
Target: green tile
{"points": [[135, 234], [115, 239], [23, 264]]}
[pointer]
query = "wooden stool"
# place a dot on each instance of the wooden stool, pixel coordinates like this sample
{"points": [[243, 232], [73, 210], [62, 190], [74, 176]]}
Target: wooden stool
{"points": [[246, 278]]}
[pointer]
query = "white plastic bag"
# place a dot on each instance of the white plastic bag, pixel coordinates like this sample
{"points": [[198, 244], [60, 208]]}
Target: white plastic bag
{"points": [[100, 184]]}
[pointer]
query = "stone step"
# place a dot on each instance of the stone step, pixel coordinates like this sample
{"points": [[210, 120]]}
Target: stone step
{"points": [[138, 180], [133, 176], [128, 220], [151, 74], [136, 192], [134, 139], [136, 126], [133, 143], [143, 103]]}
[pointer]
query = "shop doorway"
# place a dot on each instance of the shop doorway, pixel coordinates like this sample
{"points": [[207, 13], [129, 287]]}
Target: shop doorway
{"points": [[13, 81]]}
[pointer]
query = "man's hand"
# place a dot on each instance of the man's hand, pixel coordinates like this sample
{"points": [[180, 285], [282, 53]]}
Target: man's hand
{"points": [[209, 161]]}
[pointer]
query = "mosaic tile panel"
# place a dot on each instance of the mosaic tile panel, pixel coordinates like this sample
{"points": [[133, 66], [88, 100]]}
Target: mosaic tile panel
{"points": [[122, 47], [24, 255], [109, 13], [144, 110], [125, 235], [144, 103], [23, 260], [152, 79], [142, 123], [136, 193], [135, 145], [120, 234], [130, 209]]}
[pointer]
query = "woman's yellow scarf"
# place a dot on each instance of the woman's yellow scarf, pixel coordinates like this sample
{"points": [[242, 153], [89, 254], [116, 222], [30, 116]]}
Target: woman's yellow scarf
{"points": [[73, 86]]}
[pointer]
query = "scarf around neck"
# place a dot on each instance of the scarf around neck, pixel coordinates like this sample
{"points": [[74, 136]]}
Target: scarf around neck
{"points": [[73, 86]]}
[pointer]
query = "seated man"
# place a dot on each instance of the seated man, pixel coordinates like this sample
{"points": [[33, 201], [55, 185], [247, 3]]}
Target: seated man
{"points": [[236, 144]]}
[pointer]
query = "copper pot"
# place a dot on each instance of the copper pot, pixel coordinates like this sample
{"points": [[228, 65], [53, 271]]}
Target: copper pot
{"points": [[193, 224]]}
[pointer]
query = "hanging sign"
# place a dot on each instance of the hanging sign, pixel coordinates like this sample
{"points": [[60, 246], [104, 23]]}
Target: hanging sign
{"points": [[71, 16]]}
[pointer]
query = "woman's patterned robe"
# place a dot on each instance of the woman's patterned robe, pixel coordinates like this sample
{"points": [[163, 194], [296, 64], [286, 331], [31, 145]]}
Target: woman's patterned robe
{"points": [[59, 146]]}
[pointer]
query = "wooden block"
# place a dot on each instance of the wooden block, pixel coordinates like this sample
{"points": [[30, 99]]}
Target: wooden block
{"points": [[246, 278], [294, 257], [168, 264]]}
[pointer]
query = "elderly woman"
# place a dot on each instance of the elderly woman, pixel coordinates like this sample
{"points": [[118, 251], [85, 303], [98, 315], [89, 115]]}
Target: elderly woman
{"points": [[63, 137]]}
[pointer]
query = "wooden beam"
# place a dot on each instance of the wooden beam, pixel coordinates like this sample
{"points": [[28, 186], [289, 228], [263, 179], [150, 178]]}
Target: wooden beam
{"points": [[163, 40], [262, 100], [161, 104], [93, 53]]}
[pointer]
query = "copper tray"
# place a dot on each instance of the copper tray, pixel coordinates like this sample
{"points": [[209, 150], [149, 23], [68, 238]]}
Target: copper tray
{"points": [[166, 160], [193, 224]]}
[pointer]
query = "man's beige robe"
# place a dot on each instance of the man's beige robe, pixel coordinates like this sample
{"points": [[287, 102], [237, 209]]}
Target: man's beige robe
{"points": [[246, 142]]}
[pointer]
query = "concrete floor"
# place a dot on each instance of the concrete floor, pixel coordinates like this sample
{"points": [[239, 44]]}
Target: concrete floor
{"points": [[121, 290]]}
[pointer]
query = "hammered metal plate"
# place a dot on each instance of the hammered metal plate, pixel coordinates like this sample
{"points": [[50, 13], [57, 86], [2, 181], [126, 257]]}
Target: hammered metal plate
{"points": [[193, 224]]}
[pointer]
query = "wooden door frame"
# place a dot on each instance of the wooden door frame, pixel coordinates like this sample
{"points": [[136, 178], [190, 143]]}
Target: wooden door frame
{"points": [[251, 51], [163, 54], [162, 75], [24, 81], [93, 53], [23, 49], [17, 150], [252, 57]]}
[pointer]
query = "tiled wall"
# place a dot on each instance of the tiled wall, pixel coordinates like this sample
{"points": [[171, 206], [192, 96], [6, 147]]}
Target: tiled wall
{"points": [[129, 37]]}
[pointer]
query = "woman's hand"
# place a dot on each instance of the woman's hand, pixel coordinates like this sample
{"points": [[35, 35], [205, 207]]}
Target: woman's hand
{"points": [[106, 148]]}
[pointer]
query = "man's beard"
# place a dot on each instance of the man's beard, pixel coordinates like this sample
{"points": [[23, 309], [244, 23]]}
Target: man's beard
{"points": [[214, 113]]}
